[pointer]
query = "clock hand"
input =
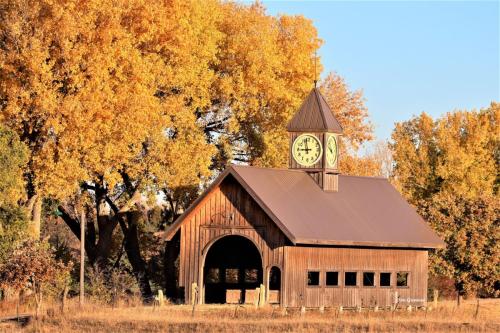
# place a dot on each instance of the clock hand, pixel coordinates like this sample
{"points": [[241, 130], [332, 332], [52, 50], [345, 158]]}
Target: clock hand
{"points": [[307, 147]]}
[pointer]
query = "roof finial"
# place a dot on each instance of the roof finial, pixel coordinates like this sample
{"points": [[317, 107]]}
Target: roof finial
{"points": [[315, 70]]}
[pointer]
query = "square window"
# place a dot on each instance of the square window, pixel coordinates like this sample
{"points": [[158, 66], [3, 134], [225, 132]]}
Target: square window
{"points": [[213, 275], [232, 275], [368, 279], [332, 278], [313, 278], [251, 275], [350, 279], [402, 279], [385, 279]]}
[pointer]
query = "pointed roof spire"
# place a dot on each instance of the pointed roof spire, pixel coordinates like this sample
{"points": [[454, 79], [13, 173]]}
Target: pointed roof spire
{"points": [[314, 115]]}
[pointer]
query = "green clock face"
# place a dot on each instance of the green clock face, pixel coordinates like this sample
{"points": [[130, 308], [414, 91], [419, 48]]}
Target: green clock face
{"points": [[306, 149], [331, 151]]}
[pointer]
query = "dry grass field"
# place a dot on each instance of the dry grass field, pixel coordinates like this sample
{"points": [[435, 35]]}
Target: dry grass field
{"points": [[178, 318]]}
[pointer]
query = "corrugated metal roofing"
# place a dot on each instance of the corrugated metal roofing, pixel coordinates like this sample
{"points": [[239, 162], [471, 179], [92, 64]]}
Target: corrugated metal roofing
{"points": [[314, 115], [364, 212]]}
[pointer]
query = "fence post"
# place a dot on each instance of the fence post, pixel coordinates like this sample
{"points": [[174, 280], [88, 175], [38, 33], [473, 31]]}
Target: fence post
{"points": [[194, 296], [477, 309], [435, 297], [64, 296], [262, 295]]}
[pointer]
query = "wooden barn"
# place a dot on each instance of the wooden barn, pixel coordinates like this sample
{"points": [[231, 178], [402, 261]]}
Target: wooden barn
{"points": [[308, 235]]}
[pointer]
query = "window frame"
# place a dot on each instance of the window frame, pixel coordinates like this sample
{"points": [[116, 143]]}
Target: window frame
{"points": [[219, 280], [319, 278], [407, 279], [363, 279], [344, 280], [339, 274], [245, 270], [237, 276], [390, 279]]}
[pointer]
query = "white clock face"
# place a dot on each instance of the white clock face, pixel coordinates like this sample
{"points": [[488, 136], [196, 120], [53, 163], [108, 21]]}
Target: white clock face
{"points": [[331, 151], [307, 150]]}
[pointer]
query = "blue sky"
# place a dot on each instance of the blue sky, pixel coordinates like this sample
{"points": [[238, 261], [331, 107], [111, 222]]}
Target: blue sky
{"points": [[408, 57]]}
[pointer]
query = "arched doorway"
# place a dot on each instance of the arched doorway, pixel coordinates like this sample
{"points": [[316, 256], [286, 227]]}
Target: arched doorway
{"points": [[233, 265]]}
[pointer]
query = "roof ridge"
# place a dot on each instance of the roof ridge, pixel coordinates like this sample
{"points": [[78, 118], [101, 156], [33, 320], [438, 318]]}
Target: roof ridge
{"points": [[304, 171], [269, 169], [321, 111]]}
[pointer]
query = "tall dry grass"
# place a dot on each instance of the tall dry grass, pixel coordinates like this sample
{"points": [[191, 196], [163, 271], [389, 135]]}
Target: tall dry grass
{"points": [[178, 318]]}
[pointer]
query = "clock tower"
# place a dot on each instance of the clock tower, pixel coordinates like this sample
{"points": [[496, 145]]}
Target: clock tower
{"points": [[314, 132]]}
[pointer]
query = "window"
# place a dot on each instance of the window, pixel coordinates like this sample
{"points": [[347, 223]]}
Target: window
{"points": [[213, 275], [385, 279], [332, 278], [232, 275], [313, 278], [368, 279], [275, 278], [251, 275], [350, 279], [402, 279]]}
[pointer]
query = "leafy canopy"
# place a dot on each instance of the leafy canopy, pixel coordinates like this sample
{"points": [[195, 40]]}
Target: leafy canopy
{"points": [[448, 168]]}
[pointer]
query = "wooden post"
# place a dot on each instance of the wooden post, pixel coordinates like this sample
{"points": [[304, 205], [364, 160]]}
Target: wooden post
{"points": [[194, 296], [161, 299], [262, 295], [194, 291], [82, 256], [64, 296], [477, 309], [435, 297]]}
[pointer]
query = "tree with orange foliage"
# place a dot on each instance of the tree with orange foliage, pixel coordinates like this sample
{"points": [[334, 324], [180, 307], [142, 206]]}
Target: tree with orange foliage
{"points": [[31, 267], [448, 168], [120, 102]]}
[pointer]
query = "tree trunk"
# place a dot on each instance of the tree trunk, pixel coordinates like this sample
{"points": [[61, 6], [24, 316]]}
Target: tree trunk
{"points": [[34, 212], [133, 250], [98, 250]]}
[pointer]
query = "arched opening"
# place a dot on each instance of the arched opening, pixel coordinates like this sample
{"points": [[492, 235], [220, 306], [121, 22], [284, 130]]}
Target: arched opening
{"points": [[274, 285], [233, 265]]}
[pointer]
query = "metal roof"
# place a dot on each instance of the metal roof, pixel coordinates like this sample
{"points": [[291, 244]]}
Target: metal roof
{"points": [[314, 115], [364, 212]]}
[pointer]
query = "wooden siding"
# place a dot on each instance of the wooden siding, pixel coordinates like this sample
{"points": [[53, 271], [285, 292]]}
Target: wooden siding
{"points": [[300, 260], [227, 210]]}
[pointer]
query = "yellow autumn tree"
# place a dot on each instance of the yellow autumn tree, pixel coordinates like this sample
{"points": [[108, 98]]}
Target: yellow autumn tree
{"points": [[350, 110], [448, 168], [264, 70], [102, 93], [118, 101]]}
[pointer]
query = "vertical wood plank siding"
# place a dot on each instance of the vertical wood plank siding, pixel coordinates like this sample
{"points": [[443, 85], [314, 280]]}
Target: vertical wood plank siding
{"points": [[227, 210], [298, 260]]}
